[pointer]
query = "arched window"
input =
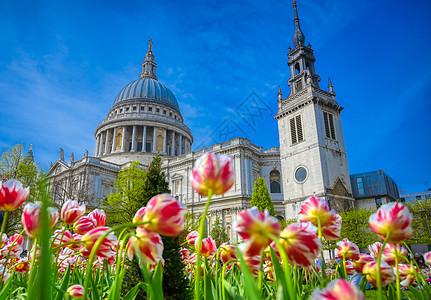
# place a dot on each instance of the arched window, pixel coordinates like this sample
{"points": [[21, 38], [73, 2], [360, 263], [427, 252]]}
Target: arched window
{"points": [[297, 69], [274, 178]]}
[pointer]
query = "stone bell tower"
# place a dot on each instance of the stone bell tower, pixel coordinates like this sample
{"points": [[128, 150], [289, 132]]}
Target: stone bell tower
{"points": [[312, 149]]}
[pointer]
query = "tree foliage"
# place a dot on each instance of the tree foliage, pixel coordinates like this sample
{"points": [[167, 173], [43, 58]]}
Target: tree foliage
{"points": [[356, 228], [421, 211], [122, 205], [218, 232], [261, 198]]}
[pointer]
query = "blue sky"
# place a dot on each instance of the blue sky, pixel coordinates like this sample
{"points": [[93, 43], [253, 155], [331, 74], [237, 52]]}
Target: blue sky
{"points": [[63, 62]]}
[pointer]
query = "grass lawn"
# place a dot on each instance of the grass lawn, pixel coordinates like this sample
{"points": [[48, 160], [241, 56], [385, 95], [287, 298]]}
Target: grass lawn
{"points": [[372, 294]]}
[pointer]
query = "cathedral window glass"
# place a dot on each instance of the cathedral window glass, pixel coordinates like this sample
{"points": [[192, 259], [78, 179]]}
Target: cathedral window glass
{"points": [[134, 108], [301, 174], [296, 130], [157, 110], [142, 108], [274, 178], [150, 109], [329, 125]]}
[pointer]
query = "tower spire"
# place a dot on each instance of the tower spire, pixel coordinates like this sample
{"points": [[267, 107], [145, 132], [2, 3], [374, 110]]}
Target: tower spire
{"points": [[298, 35], [149, 64]]}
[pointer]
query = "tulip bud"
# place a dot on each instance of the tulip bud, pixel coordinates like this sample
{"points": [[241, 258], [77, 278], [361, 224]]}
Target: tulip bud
{"points": [[31, 218], [148, 244], [363, 259], [347, 249], [227, 253], [389, 254], [12, 195], [407, 274], [191, 237], [339, 289], [76, 292], [427, 259], [208, 246], [139, 216]]}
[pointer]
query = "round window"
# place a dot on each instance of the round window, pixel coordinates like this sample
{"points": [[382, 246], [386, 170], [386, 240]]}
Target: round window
{"points": [[301, 174]]}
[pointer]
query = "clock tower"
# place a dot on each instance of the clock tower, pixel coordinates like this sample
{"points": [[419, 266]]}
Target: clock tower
{"points": [[312, 149]]}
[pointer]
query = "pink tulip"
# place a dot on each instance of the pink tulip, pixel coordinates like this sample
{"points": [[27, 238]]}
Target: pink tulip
{"points": [[339, 289], [301, 243], [208, 246], [332, 230], [407, 274], [22, 266], [213, 171], [315, 209], [148, 244], [76, 292], [185, 254], [61, 238], [71, 211], [84, 224], [105, 249], [363, 259], [427, 259], [393, 218], [12, 195], [347, 249], [139, 215], [31, 218], [98, 215], [375, 249], [227, 253], [253, 263], [389, 255], [251, 224], [350, 269], [165, 215], [386, 273], [191, 237]]}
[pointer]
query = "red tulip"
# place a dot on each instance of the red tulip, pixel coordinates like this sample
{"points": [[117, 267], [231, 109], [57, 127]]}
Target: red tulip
{"points": [[22, 266], [386, 273], [253, 263], [315, 209], [12, 195], [347, 249], [191, 237], [301, 243], [76, 292], [375, 249], [99, 216], [105, 249], [427, 258], [149, 244], [339, 289], [393, 218], [31, 218], [71, 211], [350, 269], [165, 215], [213, 171], [84, 224], [208, 246], [332, 230], [407, 274], [227, 253], [139, 216], [185, 254], [389, 256], [251, 224], [363, 259], [61, 237]]}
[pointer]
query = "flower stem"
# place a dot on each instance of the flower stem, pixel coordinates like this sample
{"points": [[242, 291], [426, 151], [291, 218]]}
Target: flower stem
{"points": [[379, 260], [398, 273], [344, 266], [32, 266], [199, 246], [3, 226]]}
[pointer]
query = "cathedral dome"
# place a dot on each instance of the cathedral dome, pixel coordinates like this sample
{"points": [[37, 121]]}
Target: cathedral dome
{"points": [[147, 90]]}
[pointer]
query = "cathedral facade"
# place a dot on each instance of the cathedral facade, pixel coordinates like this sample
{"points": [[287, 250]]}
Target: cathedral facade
{"points": [[145, 120]]}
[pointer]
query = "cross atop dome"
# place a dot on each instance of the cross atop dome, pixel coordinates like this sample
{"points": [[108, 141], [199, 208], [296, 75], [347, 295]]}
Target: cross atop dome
{"points": [[150, 46]]}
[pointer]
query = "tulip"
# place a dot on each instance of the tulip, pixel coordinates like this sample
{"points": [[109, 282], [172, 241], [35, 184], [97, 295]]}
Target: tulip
{"points": [[105, 249], [165, 215], [267, 254], [31, 218], [71, 211], [227, 253], [350, 269], [269, 272], [347, 249], [208, 246], [427, 259], [148, 244], [389, 255], [386, 273], [339, 289], [315, 209], [253, 225], [363, 259], [253, 263], [139, 216], [84, 224], [76, 291], [12, 195], [98, 215], [213, 172], [332, 230], [375, 249], [185, 254], [11, 247], [394, 219], [301, 243], [407, 274], [191, 237], [22, 266]]}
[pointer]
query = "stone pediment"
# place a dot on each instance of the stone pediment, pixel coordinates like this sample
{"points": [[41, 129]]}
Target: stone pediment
{"points": [[339, 189]]}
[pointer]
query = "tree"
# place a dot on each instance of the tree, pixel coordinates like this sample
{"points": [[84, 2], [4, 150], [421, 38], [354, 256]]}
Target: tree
{"points": [[218, 232], [15, 165], [261, 198], [122, 205], [356, 228], [421, 211]]}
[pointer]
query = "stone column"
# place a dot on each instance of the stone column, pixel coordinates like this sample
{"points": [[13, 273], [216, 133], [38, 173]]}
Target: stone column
{"points": [[96, 149], [107, 142], [144, 139], [164, 142], [133, 138], [180, 150], [173, 144], [113, 139], [154, 139], [123, 141]]}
